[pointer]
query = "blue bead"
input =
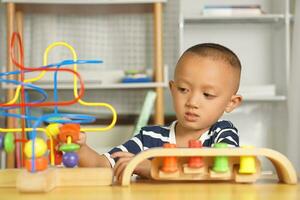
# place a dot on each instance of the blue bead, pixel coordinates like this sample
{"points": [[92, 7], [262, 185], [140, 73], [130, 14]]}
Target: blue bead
{"points": [[1, 141], [70, 159]]}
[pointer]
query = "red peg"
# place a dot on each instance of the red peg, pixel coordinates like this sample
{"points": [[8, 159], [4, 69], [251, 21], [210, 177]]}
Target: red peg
{"points": [[169, 163], [195, 162]]}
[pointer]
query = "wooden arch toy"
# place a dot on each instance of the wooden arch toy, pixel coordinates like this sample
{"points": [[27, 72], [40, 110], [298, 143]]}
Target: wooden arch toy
{"points": [[284, 168]]}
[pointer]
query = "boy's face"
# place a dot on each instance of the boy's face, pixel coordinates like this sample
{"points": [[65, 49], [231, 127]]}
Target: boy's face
{"points": [[202, 90]]}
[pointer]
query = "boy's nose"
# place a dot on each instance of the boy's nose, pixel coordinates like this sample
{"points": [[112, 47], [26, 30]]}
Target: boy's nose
{"points": [[193, 101]]}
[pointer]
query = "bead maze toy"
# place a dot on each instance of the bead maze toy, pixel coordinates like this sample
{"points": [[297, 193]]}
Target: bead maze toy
{"points": [[221, 163], [46, 165]]}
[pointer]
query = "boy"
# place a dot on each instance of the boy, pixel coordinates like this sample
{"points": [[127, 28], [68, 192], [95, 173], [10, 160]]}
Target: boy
{"points": [[205, 84]]}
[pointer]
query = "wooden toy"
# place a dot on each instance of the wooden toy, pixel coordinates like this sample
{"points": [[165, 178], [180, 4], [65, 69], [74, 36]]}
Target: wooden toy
{"points": [[285, 170], [45, 181]]}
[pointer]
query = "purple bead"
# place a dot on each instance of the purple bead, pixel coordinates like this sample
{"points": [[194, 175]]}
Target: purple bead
{"points": [[1, 141], [70, 159]]}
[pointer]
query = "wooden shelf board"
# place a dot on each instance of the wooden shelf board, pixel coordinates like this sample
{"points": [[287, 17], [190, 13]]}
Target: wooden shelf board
{"points": [[84, 2]]}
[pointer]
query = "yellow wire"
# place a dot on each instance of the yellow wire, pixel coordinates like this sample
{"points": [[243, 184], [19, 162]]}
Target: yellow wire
{"points": [[111, 108]]}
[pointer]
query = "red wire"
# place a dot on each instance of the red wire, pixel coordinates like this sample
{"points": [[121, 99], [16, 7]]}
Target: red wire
{"points": [[22, 67]]}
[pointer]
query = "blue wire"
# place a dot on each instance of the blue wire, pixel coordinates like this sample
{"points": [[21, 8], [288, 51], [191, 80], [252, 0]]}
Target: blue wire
{"points": [[62, 63], [29, 85]]}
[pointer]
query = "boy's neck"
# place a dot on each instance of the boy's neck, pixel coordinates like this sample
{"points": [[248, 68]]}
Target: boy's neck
{"points": [[183, 135]]}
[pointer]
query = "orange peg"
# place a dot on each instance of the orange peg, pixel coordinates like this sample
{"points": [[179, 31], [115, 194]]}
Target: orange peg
{"points": [[169, 163], [197, 161], [67, 130]]}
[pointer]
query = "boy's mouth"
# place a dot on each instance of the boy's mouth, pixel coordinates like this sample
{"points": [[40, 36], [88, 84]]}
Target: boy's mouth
{"points": [[191, 117]]}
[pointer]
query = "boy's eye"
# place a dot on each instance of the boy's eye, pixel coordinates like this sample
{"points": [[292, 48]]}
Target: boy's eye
{"points": [[182, 89], [208, 95]]}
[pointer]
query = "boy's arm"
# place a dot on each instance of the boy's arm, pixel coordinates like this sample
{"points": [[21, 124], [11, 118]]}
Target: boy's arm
{"points": [[90, 158]]}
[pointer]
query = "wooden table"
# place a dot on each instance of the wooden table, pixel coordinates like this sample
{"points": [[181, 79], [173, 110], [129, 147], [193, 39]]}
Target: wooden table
{"points": [[266, 189]]}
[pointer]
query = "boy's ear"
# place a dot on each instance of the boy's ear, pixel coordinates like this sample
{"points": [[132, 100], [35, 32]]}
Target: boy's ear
{"points": [[234, 102], [171, 84]]}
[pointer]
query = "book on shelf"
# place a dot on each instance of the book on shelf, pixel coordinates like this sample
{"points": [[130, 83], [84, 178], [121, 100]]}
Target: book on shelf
{"points": [[230, 10]]}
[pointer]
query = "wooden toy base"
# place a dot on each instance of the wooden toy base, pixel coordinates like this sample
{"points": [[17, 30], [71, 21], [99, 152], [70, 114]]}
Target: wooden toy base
{"points": [[284, 168], [47, 180]]}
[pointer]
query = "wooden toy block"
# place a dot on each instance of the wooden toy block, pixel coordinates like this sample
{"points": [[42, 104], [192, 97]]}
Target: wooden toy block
{"points": [[44, 181], [220, 175], [191, 170], [168, 175], [285, 170], [8, 177]]}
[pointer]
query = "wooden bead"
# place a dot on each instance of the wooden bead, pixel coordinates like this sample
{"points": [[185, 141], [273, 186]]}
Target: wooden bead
{"points": [[40, 164], [40, 148], [71, 130]]}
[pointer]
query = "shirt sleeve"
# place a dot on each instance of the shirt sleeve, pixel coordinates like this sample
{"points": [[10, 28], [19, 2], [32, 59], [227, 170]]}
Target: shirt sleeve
{"points": [[226, 132], [134, 146]]}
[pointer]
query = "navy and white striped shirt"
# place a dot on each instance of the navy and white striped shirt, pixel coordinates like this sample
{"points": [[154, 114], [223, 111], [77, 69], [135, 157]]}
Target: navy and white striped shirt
{"points": [[156, 136]]}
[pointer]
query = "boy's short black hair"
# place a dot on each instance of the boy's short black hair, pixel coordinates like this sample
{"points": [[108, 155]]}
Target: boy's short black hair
{"points": [[216, 51]]}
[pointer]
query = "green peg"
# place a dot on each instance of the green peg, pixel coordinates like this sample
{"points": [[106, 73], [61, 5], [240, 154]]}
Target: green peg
{"points": [[221, 162]]}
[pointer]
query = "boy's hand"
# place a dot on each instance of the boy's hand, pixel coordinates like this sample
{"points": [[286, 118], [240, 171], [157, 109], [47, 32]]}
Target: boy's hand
{"points": [[143, 169], [82, 139]]}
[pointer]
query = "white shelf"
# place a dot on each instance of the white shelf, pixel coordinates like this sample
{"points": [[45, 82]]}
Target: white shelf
{"points": [[266, 18], [263, 98], [109, 80], [84, 2]]}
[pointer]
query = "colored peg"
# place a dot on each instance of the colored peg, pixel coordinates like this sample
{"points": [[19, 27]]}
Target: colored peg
{"points": [[247, 164], [196, 161], [169, 163], [220, 162]]}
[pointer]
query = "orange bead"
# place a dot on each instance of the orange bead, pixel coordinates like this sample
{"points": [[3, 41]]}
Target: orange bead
{"points": [[169, 163], [71, 130], [197, 161], [40, 164]]}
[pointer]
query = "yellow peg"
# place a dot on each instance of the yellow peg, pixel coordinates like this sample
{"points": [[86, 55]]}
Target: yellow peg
{"points": [[247, 163]]}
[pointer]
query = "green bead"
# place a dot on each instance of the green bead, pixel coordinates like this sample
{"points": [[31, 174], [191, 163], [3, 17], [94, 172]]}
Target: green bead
{"points": [[221, 163], [69, 147], [9, 142]]}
